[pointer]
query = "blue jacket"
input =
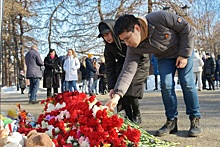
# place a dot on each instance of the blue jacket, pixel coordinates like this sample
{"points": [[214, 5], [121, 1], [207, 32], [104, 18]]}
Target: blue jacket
{"points": [[90, 69], [33, 62]]}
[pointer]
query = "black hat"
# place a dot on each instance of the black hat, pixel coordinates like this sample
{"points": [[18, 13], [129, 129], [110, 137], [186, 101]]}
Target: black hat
{"points": [[103, 28], [208, 53]]}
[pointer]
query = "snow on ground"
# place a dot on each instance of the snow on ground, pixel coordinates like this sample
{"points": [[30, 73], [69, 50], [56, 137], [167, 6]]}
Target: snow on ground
{"points": [[150, 85]]}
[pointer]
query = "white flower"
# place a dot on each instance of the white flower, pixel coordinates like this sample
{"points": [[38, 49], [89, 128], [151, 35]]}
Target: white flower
{"points": [[44, 124], [62, 114], [58, 105], [92, 103], [84, 142], [50, 107], [49, 131], [69, 139], [95, 109]]}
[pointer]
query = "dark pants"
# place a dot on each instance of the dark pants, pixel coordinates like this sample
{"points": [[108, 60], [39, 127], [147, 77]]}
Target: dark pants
{"points": [[131, 107], [49, 91], [211, 82], [22, 90], [156, 81], [102, 85]]}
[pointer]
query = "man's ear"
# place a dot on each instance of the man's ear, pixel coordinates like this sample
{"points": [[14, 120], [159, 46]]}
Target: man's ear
{"points": [[137, 27]]}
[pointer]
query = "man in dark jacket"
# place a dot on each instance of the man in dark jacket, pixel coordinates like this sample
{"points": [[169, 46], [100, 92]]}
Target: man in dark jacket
{"points": [[209, 70], [115, 53], [90, 70], [33, 62], [170, 38]]}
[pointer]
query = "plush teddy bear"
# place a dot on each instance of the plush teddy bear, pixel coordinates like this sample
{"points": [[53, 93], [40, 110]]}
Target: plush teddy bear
{"points": [[35, 139], [15, 139]]}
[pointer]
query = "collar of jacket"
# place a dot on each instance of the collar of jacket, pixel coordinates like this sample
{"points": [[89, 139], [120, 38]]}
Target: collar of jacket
{"points": [[144, 28]]}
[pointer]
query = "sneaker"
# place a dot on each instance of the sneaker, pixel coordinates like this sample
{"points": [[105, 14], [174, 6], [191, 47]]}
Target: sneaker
{"points": [[169, 127], [195, 129]]}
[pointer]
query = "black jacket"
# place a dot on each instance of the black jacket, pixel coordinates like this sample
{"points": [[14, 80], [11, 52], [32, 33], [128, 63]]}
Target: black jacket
{"points": [[209, 67], [50, 79], [115, 54], [22, 81], [90, 70], [83, 71]]}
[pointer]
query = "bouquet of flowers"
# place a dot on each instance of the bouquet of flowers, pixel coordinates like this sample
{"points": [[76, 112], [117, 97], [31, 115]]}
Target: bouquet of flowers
{"points": [[73, 119]]}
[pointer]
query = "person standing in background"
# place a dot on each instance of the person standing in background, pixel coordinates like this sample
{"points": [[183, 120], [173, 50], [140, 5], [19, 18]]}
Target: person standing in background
{"points": [[197, 69], [90, 73], [83, 74], [70, 66], [22, 81], [209, 70], [217, 70], [62, 75], [156, 71], [96, 77], [34, 74], [51, 78], [102, 75]]}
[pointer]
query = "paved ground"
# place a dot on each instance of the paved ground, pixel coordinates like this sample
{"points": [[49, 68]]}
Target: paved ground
{"points": [[152, 115]]}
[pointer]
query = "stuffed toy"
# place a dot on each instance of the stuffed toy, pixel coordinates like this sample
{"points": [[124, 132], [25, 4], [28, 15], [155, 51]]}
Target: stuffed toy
{"points": [[3, 133], [35, 139], [15, 139]]}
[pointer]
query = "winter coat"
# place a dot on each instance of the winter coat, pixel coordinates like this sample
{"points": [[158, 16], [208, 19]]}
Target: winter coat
{"points": [[70, 66], [90, 70], [115, 54], [209, 67], [22, 81], [33, 62], [83, 71], [169, 36], [50, 79], [197, 63], [154, 62]]}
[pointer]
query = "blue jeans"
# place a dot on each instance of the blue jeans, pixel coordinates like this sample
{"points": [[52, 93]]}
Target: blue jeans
{"points": [[167, 70], [96, 86], [70, 85], [84, 85], [90, 84], [34, 86]]}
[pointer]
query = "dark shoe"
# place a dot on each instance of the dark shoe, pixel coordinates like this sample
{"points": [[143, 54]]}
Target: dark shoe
{"points": [[137, 119], [34, 102], [169, 127], [91, 94], [195, 129]]}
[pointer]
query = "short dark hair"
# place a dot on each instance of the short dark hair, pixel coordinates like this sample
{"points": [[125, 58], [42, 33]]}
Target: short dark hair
{"points": [[125, 23]]}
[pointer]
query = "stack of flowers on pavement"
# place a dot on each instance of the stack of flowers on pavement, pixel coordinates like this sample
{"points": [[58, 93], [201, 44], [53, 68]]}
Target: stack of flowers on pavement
{"points": [[73, 119]]}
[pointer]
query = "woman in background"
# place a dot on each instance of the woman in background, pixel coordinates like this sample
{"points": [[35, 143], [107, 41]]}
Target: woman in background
{"points": [[83, 74], [70, 66], [51, 78]]}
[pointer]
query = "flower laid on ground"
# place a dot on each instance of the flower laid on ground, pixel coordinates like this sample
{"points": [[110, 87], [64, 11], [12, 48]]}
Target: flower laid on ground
{"points": [[73, 119]]}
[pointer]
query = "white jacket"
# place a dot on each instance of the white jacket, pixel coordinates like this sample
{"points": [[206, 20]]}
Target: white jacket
{"points": [[197, 63], [70, 67]]}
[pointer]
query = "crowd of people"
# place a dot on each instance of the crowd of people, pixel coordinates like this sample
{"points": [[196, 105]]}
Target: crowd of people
{"points": [[124, 67]]}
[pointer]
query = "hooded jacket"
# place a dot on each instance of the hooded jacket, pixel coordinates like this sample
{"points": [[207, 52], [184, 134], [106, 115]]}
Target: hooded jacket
{"points": [[168, 36], [115, 54]]}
